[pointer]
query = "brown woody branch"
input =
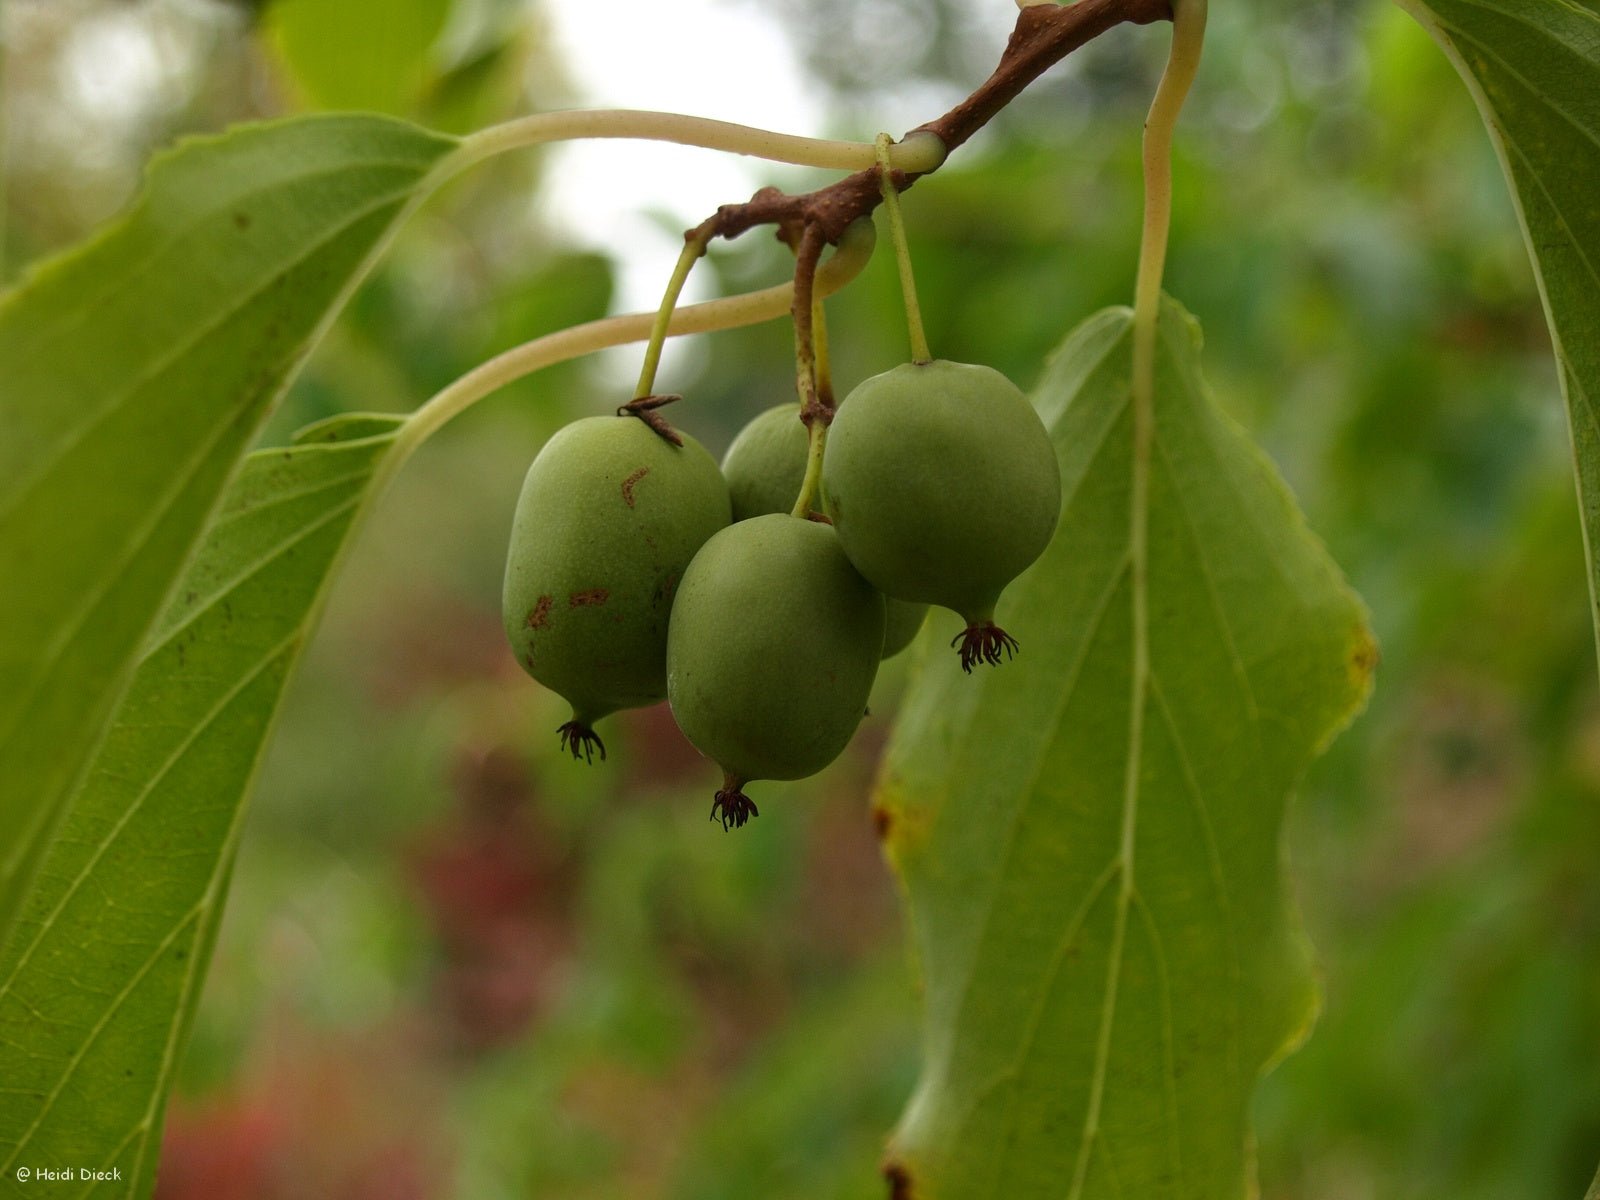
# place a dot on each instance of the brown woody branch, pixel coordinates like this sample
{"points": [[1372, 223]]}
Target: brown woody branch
{"points": [[1043, 36]]}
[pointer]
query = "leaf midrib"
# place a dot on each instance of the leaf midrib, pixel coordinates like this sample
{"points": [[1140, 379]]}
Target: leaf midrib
{"points": [[1138, 687], [1102, 605]]}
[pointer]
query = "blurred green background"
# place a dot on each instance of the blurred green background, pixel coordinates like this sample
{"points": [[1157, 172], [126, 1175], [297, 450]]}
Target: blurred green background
{"points": [[455, 964]]}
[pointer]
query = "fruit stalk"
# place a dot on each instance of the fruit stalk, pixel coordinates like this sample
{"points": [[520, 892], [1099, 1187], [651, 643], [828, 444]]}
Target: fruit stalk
{"points": [[819, 345], [817, 425], [902, 253], [751, 308], [802, 309], [680, 129], [694, 248]]}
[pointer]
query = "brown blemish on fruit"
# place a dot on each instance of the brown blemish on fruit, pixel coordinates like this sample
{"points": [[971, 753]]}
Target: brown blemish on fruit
{"points": [[241, 220], [899, 1181], [882, 821], [540, 616], [591, 598], [629, 482]]}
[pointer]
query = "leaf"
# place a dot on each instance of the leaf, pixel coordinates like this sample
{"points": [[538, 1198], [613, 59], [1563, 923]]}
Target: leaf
{"points": [[98, 988], [352, 54], [1110, 958], [136, 369], [1533, 67]]}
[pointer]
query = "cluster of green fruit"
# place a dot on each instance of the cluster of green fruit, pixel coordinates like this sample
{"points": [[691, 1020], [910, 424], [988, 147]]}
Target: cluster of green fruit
{"points": [[640, 570]]}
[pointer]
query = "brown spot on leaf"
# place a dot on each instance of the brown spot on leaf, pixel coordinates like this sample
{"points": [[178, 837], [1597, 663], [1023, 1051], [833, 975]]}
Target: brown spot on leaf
{"points": [[589, 598], [539, 617], [899, 1178], [907, 826], [1364, 658], [629, 482]]}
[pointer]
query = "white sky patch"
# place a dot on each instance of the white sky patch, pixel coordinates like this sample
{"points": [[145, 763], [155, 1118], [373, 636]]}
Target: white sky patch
{"points": [[699, 57], [110, 61]]}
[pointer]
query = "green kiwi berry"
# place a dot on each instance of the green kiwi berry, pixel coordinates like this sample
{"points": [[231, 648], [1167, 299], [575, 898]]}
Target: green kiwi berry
{"points": [[773, 648], [903, 621], [610, 515], [765, 467], [943, 486], [766, 464]]}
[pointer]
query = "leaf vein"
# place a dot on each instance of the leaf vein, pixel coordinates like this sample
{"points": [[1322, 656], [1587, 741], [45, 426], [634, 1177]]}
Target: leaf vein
{"points": [[104, 843], [1213, 593], [94, 1033], [80, 313], [251, 569], [277, 499], [1539, 98], [1214, 860], [1168, 1036]]}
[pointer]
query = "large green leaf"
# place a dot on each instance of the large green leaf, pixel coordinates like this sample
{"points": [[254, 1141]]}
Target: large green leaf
{"points": [[100, 982], [1533, 66], [134, 372], [1109, 955]]}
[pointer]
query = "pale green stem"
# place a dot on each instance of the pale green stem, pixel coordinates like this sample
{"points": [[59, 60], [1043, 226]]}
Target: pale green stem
{"points": [[915, 155], [1188, 34], [693, 247], [816, 442], [731, 312], [902, 252]]}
